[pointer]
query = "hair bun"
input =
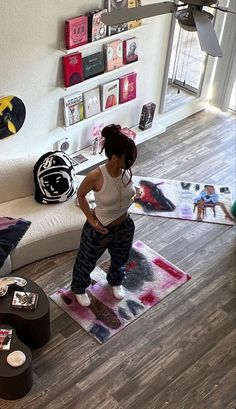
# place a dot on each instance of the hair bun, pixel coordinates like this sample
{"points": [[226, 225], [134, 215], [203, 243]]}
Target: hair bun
{"points": [[111, 131]]}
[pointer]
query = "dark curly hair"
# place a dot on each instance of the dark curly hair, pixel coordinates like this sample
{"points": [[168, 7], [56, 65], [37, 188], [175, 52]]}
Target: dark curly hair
{"points": [[118, 144]]}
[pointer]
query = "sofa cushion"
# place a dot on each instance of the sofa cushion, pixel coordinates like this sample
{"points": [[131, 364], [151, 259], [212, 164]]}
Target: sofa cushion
{"points": [[54, 229], [54, 178], [11, 232], [16, 178]]}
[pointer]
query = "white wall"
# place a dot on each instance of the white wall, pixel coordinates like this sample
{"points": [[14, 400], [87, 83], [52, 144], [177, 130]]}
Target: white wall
{"points": [[31, 33]]}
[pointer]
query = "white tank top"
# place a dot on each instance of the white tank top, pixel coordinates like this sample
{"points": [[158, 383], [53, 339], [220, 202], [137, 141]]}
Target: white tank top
{"points": [[114, 198]]}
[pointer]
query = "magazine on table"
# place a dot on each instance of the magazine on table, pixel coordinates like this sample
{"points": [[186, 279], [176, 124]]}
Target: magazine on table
{"points": [[5, 339], [24, 300]]}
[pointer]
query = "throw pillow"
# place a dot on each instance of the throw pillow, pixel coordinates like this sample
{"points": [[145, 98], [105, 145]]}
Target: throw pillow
{"points": [[54, 178], [11, 232]]}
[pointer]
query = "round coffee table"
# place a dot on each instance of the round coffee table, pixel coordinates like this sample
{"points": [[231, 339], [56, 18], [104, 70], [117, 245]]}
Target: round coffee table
{"points": [[32, 326]]}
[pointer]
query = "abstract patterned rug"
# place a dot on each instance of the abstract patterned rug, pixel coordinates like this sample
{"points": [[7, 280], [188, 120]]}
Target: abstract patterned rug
{"points": [[183, 200], [149, 279]]}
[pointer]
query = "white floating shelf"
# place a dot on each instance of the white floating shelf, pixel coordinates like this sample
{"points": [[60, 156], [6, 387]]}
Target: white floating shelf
{"points": [[101, 77], [101, 114], [103, 40], [141, 136]]}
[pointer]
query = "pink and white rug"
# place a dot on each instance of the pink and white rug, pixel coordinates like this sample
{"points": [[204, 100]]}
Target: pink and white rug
{"points": [[149, 279]]}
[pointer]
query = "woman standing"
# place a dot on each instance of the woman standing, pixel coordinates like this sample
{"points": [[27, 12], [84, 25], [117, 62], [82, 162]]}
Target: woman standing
{"points": [[108, 226]]}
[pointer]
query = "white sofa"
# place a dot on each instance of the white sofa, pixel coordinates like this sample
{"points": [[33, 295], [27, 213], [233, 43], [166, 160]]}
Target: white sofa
{"points": [[55, 228]]}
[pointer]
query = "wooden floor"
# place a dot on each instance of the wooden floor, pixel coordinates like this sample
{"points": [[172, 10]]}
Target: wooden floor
{"points": [[180, 354]]}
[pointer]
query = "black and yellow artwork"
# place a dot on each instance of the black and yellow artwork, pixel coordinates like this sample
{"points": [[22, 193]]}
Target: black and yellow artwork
{"points": [[12, 115]]}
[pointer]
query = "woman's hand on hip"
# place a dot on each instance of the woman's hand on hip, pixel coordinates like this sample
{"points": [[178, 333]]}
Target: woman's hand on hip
{"points": [[95, 223]]}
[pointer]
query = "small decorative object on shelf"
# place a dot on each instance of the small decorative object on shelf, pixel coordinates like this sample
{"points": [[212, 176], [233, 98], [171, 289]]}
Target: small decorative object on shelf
{"points": [[73, 108], [127, 87], [116, 5], [62, 145], [93, 65], [24, 300], [113, 55], [16, 359], [95, 146], [92, 104], [130, 50], [128, 132], [5, 339], [97, 133], [110, 94], [134, 23], [76, 32], [147, 115], [73, 69]]}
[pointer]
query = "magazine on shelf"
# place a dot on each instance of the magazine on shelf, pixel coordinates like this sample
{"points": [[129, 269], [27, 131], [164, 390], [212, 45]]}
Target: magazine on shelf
{"points": [[113, 5], [79, 158], [92, 104], [24, 300], [127, 86], [113, 55], [110, 94], [73, 69], [76, 32], [5, 339], [130, 50], [93, 65], [73, 108], [96, 28]]}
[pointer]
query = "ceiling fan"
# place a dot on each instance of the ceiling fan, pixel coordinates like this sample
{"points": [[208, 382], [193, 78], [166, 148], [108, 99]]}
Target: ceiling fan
{"points": [[190, 18]]}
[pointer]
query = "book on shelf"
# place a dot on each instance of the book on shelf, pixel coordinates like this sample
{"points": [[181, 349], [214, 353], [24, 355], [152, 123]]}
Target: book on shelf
{"points": [[96, 28], [73, 69], [24, 300], [76, 32], [79, 158], [73, 108], [113, 55], [130, 50], [147, 115], [93, 65], [113, 5], [92, 105], [110, 94], [134, 23], [127, 87], [5, 339]]}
